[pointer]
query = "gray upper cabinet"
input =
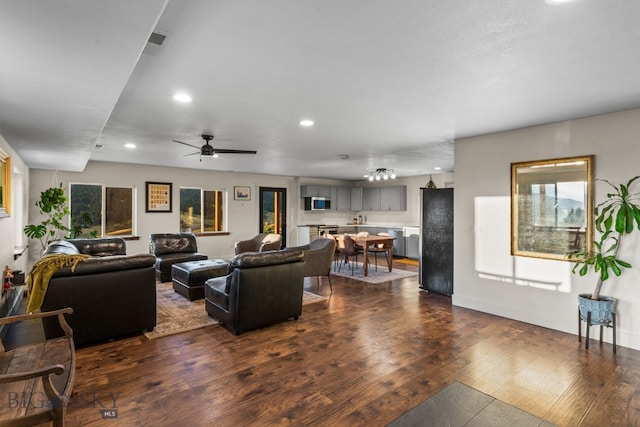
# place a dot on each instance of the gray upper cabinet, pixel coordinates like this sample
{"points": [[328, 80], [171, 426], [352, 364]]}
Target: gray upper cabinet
{"points": [[356, 198], [371, 199], [341, 198], [315, 191], [385, 198], [393, 198]]}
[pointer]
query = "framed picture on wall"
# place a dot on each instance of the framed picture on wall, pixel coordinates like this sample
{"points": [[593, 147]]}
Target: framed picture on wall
{"points": [[241, 193], [158, 197]]}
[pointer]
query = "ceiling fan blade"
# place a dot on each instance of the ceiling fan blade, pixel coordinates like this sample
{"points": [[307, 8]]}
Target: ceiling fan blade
{"points": [[184, 143], [192, 154], [231, 151]]}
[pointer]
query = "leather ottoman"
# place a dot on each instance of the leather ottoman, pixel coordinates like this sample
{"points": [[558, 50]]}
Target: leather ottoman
{"points": [[188, 277]]}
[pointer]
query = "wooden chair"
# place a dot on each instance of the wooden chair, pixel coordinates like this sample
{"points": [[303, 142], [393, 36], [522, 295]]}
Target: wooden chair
{"points": [[378, 248], [32, 372]]}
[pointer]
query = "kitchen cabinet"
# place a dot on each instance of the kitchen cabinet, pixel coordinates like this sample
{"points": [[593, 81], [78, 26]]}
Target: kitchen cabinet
{"points": [[315, 191], [356, 198], [371, 199], [393, 198], [341, 198], [381, 199]]}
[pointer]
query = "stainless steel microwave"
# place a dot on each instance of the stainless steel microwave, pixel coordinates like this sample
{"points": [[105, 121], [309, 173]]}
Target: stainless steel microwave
{"points": [[317, 204]]}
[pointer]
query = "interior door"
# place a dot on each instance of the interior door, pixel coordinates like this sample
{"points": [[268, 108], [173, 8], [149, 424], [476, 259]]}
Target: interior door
{"points": [[273, 212]]}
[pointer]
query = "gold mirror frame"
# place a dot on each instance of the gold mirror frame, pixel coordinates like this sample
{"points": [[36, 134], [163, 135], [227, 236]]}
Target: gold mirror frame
{"points": [[552, 207], [5, 184]]}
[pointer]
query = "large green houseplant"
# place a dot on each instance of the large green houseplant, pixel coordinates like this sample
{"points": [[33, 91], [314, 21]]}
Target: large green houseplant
{"points": [[618, 215], [53, 207]]}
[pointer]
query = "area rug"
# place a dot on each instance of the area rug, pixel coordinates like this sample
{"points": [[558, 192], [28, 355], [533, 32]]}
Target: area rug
{"points": [[176, 314], [374, 277], [311, 298], [461, 405]]}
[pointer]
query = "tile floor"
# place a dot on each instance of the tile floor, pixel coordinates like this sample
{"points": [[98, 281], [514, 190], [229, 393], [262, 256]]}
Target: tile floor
{"points": [[460, 405]]}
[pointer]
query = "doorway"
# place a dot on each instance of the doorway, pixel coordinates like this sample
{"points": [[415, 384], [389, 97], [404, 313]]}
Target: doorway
{"points": [[273, 212]]}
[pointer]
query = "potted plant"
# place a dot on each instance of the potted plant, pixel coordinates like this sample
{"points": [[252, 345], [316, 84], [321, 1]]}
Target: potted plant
{"points": [[615, 217], [52, 205]]}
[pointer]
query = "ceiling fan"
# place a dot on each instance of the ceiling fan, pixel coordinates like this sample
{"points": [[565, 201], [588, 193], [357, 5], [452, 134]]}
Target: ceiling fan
{"points": [[209, 150]]}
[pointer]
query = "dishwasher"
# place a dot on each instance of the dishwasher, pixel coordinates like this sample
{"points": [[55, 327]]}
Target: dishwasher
{"points": [[412, 242]]}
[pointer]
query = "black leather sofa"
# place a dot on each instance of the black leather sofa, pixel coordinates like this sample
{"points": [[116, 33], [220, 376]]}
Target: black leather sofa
{"points": [[172, 248], [261, 288], [111, 293]]}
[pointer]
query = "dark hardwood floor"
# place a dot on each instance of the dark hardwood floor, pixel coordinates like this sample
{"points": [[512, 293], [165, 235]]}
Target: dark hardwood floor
{"points": [[369, 354]]}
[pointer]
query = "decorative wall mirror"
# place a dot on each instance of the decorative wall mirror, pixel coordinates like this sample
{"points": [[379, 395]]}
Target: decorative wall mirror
{"points": [[552, 207], [5, 184]]}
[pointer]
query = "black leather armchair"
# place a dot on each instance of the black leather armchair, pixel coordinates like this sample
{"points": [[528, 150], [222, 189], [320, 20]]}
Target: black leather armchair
{"points": [[261, 288], [172, 248]]}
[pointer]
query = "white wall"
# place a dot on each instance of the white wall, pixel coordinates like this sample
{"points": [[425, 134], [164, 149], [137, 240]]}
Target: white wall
{"points": [[9, 237], [541, 292], [242, 216]]}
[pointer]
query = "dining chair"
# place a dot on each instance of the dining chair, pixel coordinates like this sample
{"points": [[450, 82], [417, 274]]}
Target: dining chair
{"points": [[378, 248], [359, 248], [348, 251]]}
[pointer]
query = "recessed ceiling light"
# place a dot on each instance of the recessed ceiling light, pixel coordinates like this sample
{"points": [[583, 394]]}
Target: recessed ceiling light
{"points": [[437, 168], [130, 145], [182, 97], [306, 122], [554, 2]]}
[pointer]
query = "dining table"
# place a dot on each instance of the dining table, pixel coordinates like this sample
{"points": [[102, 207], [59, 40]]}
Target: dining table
{"points": [[385, 242]]}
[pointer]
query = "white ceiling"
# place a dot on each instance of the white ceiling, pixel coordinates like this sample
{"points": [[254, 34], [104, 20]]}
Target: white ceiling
{"points": [[389, 83]]}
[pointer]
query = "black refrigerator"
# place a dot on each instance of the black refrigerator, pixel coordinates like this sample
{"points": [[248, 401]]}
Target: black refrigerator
{"points": [[436, 240]]}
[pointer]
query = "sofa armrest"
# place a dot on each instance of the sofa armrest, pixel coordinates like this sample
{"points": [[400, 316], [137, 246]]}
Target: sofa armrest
{"points": [[96, 265], [168, 243], [101, 247]]}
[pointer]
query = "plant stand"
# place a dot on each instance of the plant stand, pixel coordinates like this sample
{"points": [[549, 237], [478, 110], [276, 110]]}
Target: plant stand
{"points": [[610, 324]]}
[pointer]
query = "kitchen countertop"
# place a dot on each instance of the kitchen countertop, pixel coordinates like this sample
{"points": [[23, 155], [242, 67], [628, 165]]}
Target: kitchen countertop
{"points": [[360, 225], [379, 225]]}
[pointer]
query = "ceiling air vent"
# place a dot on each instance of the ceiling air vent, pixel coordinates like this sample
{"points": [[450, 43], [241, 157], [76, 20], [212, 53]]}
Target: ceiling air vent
{"points": [[154, 43]]}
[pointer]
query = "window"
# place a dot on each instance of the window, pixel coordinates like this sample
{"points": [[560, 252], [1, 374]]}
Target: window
{"points": [[201, 211], [98, 210]]}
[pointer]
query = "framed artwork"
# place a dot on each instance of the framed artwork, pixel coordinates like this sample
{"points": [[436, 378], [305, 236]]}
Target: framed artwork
{"points": [[5, 184], [158, 197], [241, 193], [552, 207]]}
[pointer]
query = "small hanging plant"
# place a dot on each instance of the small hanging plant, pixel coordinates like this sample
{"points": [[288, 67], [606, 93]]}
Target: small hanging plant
{"points": [[616, 217]]}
